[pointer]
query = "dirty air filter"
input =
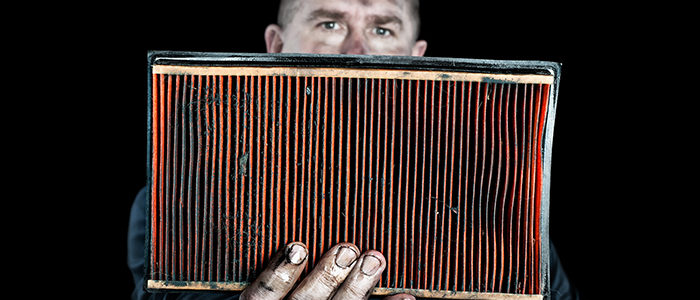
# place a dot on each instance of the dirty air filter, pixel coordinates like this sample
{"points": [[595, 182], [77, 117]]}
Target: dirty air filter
{"points": [[441, 164]]}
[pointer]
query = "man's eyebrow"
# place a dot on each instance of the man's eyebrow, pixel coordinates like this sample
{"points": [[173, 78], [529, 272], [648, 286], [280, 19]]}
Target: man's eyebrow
{"points": [[385, 19], [325, 13]]}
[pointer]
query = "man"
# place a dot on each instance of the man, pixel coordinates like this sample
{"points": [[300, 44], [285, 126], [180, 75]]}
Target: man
{"points": [[347, 27], [373, 27]]}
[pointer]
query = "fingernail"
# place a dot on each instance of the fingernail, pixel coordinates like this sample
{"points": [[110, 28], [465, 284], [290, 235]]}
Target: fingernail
{"points": [[370, 265], [345, 257], [296, 254]]}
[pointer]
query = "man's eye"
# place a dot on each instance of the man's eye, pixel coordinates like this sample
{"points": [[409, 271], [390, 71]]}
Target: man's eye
{"points": [[329, 25], [382, 31]]}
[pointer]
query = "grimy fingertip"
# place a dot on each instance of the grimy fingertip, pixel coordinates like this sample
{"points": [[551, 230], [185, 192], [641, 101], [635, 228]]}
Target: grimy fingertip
{"points": [[281, 274], [363, 277]]}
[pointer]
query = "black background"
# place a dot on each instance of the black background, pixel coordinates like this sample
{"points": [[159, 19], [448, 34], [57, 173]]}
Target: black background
{"points": [[609, 182]]}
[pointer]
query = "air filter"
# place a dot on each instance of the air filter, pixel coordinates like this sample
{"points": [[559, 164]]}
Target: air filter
{"points": [[440, 164]]}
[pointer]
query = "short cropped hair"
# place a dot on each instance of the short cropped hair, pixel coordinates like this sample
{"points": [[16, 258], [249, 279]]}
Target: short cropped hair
{"points": [[288, 8]]}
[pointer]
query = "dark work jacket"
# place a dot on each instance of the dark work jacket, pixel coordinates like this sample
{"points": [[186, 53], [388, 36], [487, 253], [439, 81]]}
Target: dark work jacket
{"points": [[560, 286]]}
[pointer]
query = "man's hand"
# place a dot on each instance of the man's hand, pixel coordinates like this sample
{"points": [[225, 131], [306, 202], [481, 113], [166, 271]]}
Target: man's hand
{"points": [[342, 273]]}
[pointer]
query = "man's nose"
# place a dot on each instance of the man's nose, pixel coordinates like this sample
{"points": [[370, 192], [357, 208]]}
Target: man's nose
{"points": [[354, 43]]}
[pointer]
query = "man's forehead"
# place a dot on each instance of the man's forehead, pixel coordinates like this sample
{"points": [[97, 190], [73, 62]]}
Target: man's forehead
{"points": [[313, 5]]}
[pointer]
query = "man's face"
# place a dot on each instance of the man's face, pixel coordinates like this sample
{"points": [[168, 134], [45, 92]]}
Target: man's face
{"points": [[376, 27]]}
